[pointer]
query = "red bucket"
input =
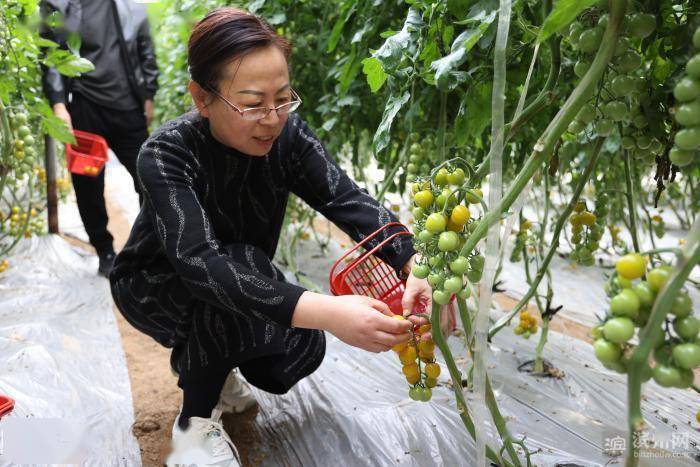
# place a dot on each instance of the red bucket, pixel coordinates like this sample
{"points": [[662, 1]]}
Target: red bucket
{"points": [[88, 156], [6, 405]]}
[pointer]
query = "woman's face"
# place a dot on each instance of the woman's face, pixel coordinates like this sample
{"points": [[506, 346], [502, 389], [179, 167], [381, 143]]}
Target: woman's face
{"points": [[259, 79]]}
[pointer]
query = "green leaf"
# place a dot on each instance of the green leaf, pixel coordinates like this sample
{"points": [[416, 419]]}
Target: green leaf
{"points": [[277, 18], [383, 134], [336, 33], [74, 42], [446, 67], [328, 125], [75, 67], [391, 52], [564, 12], [474, 113], [349, 70], [375, 73], [43, 42], [54, 126], [458, 8]]}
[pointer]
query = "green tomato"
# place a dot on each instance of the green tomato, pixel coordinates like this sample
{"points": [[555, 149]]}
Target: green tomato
{"points": [[436, 223], [641, 25], [625, 304], [628, 142], [688, 114], [464, 293], [425, 236], [687, 355], [412, 168], [693, 66], [623, 44], [696, 39], [666, 376], [622, 85], [617, 367], [426, 394], [640, 121], [615, 110], [604, 127], [597, 332], [687, 89], [575, 30], [657, 277], [688, 138], [687, 328], [682, 305], [418, 214], [629, 61], [459, 265], [603, 21], [643, 142], [23, 131], [644, 293], [436, 279], [441, 177], [448, 241], [441, 297], [415, 393], [453, 284], [606, 351], [581, 67], [474, 276], [681, 158], [436, 261], [618, 330], [477, 262], [587, 114], [589, 40], [421, 271]]}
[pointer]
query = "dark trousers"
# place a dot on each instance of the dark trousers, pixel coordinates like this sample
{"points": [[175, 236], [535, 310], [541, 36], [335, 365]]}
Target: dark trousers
{"points": [[125, 132], [208, 342]]}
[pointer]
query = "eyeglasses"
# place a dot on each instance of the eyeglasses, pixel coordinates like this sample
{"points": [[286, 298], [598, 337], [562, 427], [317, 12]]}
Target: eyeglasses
{"points": [[258, 113]]}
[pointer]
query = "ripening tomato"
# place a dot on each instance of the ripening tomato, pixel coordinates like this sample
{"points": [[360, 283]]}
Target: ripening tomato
{"points": [[626, 303], [435, 223], [460, 215], [424, 199], [432, 370], [631, 266]]}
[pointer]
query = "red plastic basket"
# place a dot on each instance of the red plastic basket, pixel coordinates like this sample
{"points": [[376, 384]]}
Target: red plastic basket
{"points": [[359, 272], [88, 156], [6, 405]]}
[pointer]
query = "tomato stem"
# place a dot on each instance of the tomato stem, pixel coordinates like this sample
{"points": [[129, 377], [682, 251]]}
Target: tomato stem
{"points": [[561, 222], [630, 201]]}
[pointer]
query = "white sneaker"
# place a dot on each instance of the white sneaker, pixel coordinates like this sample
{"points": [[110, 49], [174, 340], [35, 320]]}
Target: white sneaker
{"points": [[204, 442], [235, 396]]}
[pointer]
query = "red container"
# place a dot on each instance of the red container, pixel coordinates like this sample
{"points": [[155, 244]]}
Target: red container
{"points": [[6, 405], [359, 272], [88, 156]]}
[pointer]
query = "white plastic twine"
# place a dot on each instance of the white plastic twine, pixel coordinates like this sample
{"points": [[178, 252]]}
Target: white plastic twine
{"points": [[482, 421]]}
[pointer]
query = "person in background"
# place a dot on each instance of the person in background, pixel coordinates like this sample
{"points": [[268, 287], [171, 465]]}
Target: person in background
{"points": [[115, 100]]}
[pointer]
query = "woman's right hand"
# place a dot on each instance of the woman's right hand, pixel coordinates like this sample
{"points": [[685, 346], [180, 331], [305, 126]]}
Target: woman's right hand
{"points": [[60, 110], [366, 323], [354, 319]]}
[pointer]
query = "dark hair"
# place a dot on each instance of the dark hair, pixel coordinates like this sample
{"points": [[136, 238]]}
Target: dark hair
{"points": [[226, 34]]}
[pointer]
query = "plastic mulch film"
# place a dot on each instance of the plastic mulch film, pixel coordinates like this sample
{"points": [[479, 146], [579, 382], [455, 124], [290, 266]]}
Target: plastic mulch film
{"points": [[354, 410], [62, 361]]}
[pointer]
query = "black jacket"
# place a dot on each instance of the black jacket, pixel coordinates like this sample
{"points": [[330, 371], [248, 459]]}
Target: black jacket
{"points": [[135, 29]]}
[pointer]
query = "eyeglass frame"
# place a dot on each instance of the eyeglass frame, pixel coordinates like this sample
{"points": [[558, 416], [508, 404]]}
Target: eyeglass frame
{"points": [[297, 101]]}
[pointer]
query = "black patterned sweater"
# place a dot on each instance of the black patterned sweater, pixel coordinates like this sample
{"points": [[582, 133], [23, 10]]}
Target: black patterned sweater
{"points": [[200, 195]]}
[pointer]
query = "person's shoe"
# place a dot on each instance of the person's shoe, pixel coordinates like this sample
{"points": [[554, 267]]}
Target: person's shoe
{"points": [[106, 263], [204, 442], [235, 396]]}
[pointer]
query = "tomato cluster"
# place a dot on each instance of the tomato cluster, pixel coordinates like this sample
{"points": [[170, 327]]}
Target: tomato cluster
{"points": [[687, 113], [419, 156], [676, 353], [527, 325], [442, 222], [417, 356], [623, 87], [22, 223], [521, 240], [587, 229]]}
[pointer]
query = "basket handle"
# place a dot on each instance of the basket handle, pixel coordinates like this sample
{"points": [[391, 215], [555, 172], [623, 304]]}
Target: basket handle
{"points": [[365, 240]]}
